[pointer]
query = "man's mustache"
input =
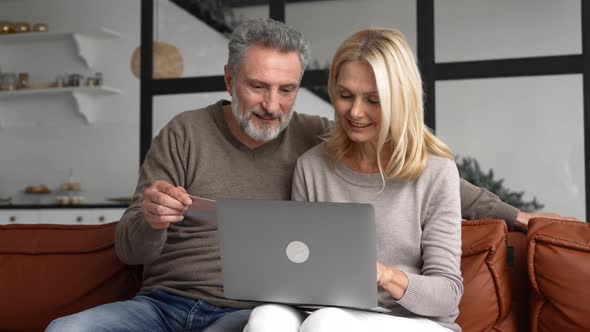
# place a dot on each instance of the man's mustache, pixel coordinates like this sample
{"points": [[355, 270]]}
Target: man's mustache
{"points": [[266, 115]]}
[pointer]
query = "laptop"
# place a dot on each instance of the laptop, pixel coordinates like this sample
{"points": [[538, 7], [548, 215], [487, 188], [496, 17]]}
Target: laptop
{"points": [[303, 253]]}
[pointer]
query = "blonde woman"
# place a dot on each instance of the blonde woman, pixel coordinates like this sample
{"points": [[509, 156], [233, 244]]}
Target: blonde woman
{"points": [[380, 152]]}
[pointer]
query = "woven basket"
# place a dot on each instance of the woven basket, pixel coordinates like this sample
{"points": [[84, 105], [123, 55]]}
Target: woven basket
{"points": [[167, 61]]}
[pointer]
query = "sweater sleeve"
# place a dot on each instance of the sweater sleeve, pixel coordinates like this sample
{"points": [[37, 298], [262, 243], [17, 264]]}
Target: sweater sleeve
{"points": [[479, 203], [136, 242], [438, 289]]}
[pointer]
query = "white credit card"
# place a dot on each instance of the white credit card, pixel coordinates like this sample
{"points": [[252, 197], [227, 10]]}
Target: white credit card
{"points": [[202, 208]]}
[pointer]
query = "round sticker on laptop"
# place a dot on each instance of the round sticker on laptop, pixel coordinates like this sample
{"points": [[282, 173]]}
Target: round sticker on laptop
{"points": [[297, 251]]}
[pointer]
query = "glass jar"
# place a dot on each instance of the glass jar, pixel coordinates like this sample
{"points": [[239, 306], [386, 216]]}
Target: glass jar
{"points": [[40, 27], [8, 81], [23, 80], [22, 27], [74, 80], [6, 27]]}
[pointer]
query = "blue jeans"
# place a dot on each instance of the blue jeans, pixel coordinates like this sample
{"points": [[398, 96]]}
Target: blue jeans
{"points": [[154, 311]]}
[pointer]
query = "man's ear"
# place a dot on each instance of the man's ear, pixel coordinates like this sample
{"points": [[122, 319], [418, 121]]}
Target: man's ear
{"points": [[228, 79]]}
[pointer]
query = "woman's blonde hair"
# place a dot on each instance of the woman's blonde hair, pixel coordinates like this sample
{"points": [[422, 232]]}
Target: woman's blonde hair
{"points": [[399, 86]]}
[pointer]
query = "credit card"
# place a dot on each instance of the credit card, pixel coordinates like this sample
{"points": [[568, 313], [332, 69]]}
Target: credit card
{"points": [[202, 208]]}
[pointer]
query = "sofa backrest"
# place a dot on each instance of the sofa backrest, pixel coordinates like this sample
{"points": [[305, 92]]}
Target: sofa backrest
{"points": [[48, 271]]}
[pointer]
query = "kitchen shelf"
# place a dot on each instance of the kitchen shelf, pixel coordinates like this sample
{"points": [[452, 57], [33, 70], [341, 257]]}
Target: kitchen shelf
{"points": [[83, 97], [84, 41]]}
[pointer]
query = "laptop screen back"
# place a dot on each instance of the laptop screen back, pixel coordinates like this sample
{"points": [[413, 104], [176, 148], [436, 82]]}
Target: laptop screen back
{"points": [[298, 252]]}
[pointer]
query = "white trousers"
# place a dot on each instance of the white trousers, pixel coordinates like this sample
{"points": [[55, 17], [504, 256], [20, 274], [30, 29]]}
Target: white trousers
{"points": [[282, 318]]}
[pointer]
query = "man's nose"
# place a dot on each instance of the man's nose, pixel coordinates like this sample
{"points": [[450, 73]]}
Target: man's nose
{"points": [[271, 101]]}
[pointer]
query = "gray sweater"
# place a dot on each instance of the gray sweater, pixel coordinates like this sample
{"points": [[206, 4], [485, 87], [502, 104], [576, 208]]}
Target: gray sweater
{"points": [[197, 151], [418, 228]]}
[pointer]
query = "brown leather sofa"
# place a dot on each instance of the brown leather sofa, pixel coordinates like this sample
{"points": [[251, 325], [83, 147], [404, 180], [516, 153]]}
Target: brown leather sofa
{"points": [[538, 281]]}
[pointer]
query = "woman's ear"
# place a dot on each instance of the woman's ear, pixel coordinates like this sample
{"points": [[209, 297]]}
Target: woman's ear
{"points": [[228, 79]]}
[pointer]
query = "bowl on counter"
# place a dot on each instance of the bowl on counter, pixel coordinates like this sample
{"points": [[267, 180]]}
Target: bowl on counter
{"points": [[5, 200]]}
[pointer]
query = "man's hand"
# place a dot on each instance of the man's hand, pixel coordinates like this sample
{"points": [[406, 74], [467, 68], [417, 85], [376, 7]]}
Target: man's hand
{"points": [[522, 219], [164, 204]]}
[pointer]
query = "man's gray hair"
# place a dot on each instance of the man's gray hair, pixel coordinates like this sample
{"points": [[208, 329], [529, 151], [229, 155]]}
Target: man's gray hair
{"points": [[267, 33]]}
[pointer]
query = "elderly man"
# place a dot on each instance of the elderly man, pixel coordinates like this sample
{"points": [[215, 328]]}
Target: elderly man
{"points": [[243, 149]]}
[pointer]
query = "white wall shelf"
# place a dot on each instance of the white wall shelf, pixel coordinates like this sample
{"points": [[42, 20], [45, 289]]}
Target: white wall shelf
{"points": [[84, 41], [83, 97]]}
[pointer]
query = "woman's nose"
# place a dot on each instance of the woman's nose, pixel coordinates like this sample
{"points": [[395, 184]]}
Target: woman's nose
{"points": [[356, 109]]}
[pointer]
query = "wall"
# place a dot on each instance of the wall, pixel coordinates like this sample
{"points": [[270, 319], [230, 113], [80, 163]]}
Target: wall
{"points": [[44, 137]]}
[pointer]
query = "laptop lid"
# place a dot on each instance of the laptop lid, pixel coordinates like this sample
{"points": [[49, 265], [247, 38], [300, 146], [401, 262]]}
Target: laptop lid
{"points": [[298, 252]]}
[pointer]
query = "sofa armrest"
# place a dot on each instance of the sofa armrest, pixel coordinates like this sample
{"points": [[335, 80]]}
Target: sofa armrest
{"points": [[486, 298], [49, 271], [559, 270]]}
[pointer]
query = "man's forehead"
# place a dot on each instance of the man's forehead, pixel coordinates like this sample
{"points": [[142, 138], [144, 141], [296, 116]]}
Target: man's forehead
{"points": [[270, 66]]}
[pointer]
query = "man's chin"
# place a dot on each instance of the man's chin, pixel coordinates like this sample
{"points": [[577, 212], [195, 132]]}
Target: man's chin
{"points": [[261, 136]]}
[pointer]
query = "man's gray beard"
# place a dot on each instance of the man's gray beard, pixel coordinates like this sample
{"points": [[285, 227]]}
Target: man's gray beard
{"points": [[262, 134]]}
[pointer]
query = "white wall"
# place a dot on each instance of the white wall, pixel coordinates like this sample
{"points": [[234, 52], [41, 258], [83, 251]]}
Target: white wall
{"points": [[44, 137]]}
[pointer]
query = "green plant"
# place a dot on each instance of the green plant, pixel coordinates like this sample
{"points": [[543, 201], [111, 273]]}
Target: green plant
{"points": [[470, 170]]}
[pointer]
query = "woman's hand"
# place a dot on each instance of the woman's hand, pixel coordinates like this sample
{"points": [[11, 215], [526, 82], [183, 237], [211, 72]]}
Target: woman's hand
{"points": [[394, 281]]}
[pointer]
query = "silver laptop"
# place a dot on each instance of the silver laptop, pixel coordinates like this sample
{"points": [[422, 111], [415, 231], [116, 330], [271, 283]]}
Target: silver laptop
{"points": [[298, 252]]}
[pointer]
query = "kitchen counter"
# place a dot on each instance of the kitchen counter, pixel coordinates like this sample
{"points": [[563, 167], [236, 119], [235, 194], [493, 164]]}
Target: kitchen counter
{"points": [[50, 201], [45, 209]]}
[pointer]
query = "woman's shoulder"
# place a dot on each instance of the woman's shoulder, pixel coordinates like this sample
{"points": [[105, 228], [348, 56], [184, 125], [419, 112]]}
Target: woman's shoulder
{"points": [[313, 156], [437, 165]]}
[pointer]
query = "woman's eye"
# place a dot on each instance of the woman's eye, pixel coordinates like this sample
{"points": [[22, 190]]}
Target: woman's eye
{"points": [[345, 96], [374, 101]]}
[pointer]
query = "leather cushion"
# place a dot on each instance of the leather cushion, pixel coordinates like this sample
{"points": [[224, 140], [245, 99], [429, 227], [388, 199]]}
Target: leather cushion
{"points": [[48, 271], [486, 298], [559, 271]]}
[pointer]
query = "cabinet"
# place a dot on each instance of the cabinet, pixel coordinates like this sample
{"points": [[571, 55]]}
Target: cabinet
{"points": [[60, 216], [85, 47]]}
